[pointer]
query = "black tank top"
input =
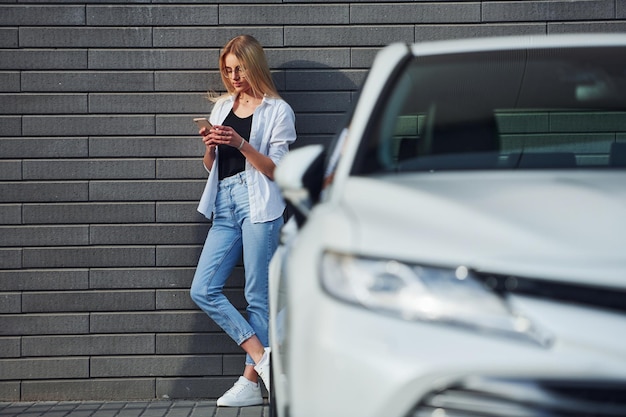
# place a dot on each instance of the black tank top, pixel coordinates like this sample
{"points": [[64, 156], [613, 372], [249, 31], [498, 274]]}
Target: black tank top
{"points": [[231, 161]]}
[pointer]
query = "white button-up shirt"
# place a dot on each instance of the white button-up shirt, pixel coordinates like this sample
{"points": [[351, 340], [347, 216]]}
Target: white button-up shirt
{"points": [[273, 130]]}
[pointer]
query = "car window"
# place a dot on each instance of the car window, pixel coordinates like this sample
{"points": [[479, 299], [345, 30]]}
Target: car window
{"points": [[547, 109]]}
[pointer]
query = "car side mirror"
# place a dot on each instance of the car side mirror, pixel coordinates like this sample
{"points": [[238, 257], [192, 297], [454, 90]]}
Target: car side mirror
{"points": [[300, 176]]}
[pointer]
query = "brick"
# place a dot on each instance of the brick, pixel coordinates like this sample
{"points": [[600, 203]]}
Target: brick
{"points": [[85, 125], [191, 343], [547, 10], [187, 80], [181, 300], [167, 190], [10, 213], [10, 258], [19, 59], [92, 81], [44, 235], [40, 280], [10, 303], [237, 298], [172, 300], [85, 37], [92, 300], [88, 345], [146, 234], [147, 102], [88, 256], [43, 103], [44, 368], [212, 388], [71, 169], [10, 391], [319, 124], [169, 256], [233, 364], [343, 36], [176, 125], [170, 212], [557, 143], [68, 213], [9, 126], [152, 15], [170, 365], [9, 81], [324, 80], [44, 147], [151, 322], [586, 27], [33, 15], [525, 123], [212, 37], [41, 324], [10, 347], [381, 13], [9, 37], [290, 58], [89, 389], [278, 76], [318, 101], [140, 278], [577, 123], [442, 32], [10, 170], [152, 146], [180, 168], [284, 14], [43, 191], [151, 59]]}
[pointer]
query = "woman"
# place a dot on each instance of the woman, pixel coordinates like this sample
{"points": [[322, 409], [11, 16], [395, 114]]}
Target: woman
{"points": [[252, 130]]}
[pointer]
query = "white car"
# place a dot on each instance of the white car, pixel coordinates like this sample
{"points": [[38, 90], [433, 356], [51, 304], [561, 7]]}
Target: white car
{"points": [[469, 256]]}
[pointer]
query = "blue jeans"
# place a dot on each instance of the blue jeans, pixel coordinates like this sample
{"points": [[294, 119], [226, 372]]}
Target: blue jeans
{"points": [[231, 233]]}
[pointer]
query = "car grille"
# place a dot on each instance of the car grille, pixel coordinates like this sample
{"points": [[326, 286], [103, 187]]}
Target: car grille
{"points": [[491, 397], [606, 298]]}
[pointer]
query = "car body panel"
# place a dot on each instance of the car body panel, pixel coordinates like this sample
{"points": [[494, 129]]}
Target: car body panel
{"points": [[492, 222]]}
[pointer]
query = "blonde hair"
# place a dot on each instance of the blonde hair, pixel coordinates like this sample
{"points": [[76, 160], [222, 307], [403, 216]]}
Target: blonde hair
{"points": [[252, 57]]}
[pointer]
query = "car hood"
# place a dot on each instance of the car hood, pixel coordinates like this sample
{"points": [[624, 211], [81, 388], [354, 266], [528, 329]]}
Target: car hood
{"points": [[568, 226]]}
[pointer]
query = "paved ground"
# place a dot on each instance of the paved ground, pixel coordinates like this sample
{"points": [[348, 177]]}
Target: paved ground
{"points": [[127, 409]]}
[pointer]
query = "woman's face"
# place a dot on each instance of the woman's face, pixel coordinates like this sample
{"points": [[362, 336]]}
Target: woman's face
{"points": [[233, 69]]}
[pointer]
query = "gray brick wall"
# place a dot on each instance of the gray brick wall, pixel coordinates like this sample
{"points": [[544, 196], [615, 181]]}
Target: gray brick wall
{"points": [[100, 167]]}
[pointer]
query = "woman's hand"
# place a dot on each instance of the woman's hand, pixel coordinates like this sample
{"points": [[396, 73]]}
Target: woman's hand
{"points": [[207, 139], [226, 135], [221, 135]]}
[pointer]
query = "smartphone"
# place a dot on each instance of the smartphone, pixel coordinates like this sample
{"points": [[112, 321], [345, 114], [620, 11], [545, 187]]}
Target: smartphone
{"points": [[203, 122]]}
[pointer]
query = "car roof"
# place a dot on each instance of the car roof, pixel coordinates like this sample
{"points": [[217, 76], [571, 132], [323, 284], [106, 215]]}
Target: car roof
{"points": [[517, 42]]}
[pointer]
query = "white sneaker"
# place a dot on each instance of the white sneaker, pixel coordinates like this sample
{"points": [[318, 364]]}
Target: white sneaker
{"points": [[263, 368], [242, 394]]}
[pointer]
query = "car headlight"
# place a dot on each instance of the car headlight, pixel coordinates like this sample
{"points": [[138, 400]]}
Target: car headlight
{"points": [[415, 292]]}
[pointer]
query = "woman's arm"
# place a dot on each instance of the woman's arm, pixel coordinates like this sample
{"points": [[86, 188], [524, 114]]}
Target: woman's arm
{"points": [[262, 163], [226, 135]]}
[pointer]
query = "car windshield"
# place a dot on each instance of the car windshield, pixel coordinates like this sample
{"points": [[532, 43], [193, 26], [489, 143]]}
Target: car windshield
{"points": [[561, 108]]}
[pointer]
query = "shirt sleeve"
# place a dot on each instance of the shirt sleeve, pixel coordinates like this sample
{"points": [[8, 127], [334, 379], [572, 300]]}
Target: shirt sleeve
{"points": [[283, 132]]}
